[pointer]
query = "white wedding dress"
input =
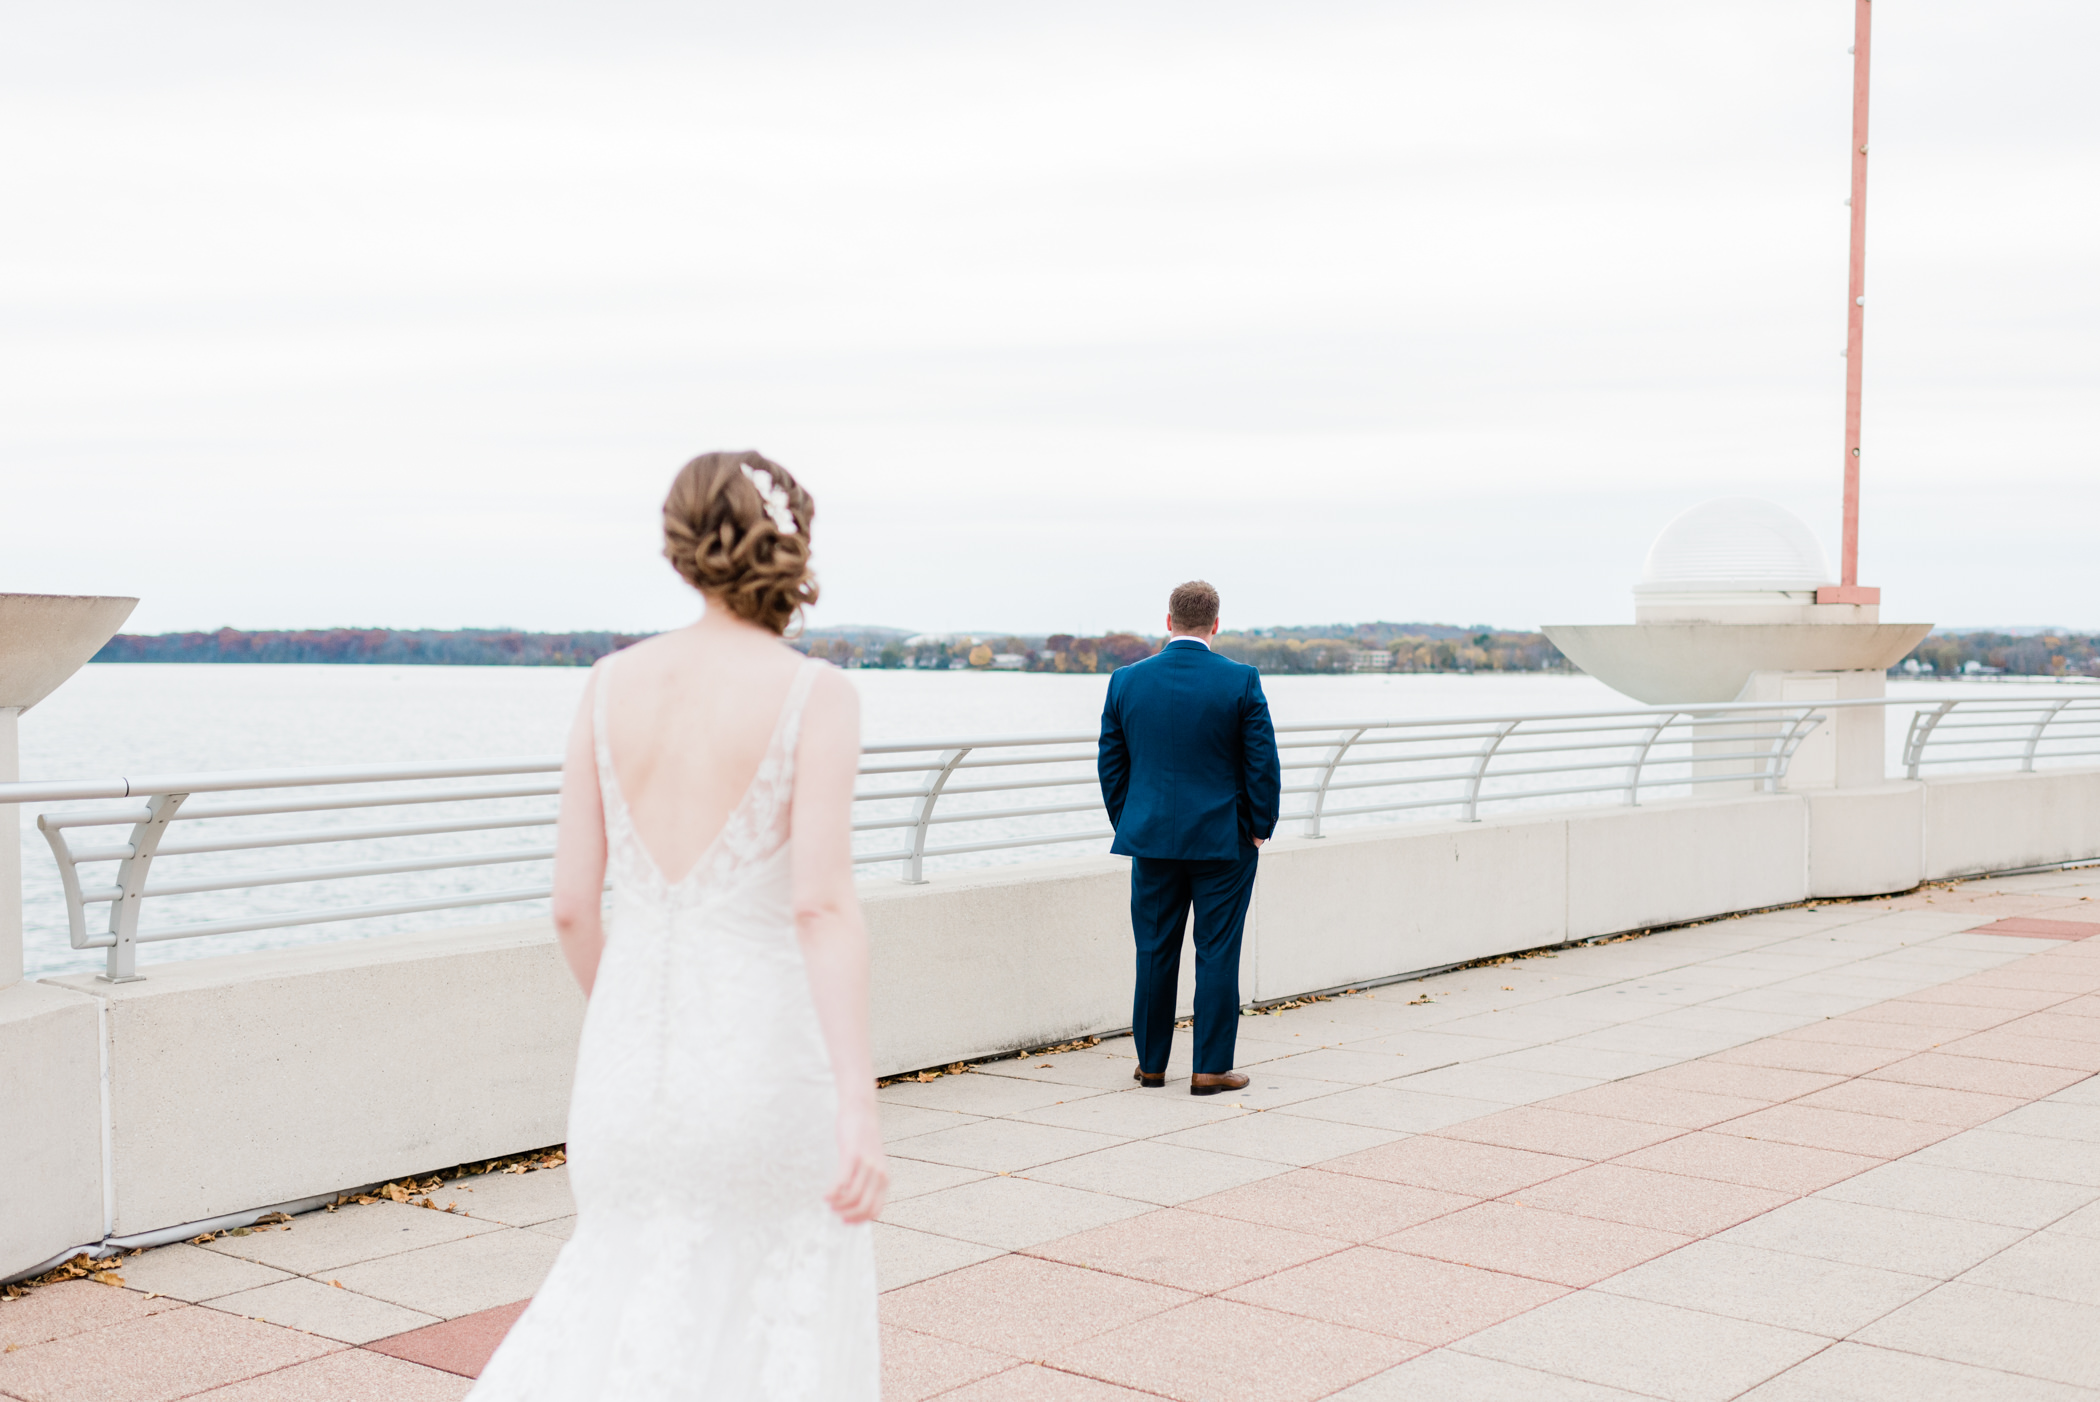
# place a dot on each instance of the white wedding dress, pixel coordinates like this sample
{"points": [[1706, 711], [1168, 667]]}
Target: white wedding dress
{"points": [[705, 1263]]}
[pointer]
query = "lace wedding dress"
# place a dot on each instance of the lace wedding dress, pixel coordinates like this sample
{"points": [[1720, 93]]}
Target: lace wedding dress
{"points": [[705, 1263]]}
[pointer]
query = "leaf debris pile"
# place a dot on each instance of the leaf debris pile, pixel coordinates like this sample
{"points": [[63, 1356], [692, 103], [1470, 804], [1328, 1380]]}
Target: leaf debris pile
{"points": [[78, 1267], [959, 1068], [415, 1192]]}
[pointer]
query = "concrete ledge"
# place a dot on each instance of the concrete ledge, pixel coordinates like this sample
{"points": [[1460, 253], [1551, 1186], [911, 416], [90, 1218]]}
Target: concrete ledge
{"points": [[1866, 842], [261, 1078], [2000, 822], [975, 963], [50, 1124], [1371, 903], [1664, 863]]}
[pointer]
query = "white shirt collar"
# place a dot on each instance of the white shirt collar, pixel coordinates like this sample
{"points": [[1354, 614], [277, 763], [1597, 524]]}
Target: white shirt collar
{"points": [[1185, 638]]}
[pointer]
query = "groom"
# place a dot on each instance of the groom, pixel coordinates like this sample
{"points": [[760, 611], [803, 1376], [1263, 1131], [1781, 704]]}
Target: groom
{"points": [[1191, 778]]}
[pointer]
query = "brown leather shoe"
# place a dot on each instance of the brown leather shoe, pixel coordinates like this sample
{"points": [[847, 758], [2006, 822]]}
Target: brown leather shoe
{"points": [[1211, 1085], [1150, 1080]]}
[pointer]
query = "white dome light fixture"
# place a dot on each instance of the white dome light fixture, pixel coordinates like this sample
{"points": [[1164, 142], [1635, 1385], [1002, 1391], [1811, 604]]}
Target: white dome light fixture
{"points": [[1735, 545]]}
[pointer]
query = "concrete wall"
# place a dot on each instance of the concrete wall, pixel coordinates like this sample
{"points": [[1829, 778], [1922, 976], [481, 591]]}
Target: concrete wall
{"points": [[1998, 822], [260, 1078], [240, 1082], [50, 1124], [1864, 842]]}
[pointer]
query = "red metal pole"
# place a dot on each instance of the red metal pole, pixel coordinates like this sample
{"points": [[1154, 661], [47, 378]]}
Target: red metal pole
{"points": [[1849, 590]]}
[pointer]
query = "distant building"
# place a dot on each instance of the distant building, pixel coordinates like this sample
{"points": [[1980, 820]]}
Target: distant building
{"points": [[1009, 662], [1378, 661]]}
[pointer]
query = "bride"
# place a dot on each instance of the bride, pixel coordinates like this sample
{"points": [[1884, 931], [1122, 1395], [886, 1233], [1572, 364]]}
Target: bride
{"points": [[722, 1136]]}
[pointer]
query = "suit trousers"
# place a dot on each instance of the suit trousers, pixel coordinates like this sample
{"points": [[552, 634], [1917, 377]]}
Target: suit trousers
{"points": [[1162, 889]]}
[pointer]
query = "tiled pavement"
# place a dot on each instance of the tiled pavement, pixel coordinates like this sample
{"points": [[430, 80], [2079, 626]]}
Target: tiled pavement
{"points": [[1831, 1153]]}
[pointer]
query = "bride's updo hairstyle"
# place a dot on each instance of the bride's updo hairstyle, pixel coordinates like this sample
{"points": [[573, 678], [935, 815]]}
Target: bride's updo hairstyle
{"points": [[736, 526]]}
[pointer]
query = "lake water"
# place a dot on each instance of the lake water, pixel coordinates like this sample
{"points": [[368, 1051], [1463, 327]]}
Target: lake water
{"points": [[114, 721]]}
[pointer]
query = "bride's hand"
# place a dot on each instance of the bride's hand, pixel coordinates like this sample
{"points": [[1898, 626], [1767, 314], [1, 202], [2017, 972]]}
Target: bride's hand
{"points": [[864, 1173]]}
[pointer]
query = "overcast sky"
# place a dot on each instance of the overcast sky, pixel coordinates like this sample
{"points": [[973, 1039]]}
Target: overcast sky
{"points": [[404, 314]]}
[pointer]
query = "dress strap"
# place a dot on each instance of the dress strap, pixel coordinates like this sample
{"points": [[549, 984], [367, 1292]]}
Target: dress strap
{"points": [[601, 748], [790, 728]]}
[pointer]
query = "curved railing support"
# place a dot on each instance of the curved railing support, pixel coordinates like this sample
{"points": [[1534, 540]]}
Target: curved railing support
{"points": [[1480, 766], [131, 887], [1922, 724], [922, 813], [1640, 759], [1319, 798], [2034, 735]]}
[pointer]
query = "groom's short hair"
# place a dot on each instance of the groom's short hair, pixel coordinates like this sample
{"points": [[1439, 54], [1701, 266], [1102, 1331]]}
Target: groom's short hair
{"points": [[1192, 607]]}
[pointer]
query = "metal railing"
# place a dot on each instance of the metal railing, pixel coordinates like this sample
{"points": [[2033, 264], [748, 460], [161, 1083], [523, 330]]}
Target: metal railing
{"points": [[1330, 771], [319, 794], [918, 802], [1994, 734]]}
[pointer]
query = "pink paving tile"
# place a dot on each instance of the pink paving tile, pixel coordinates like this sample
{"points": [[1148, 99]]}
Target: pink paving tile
{"points": [[1031, 1382], [1987, 903], [1454, 1165], [353, 1375], [1976, 1073], [1756, 1163], [2030, 927], [2001, 1045], [1641, 1197], [916, 1366], [1024, 1306], [2070, 984], [1544, 1131], [463, 1345], [1767, 1083], [1949, 1017], [1847, 1131], [1341, 1205], [1215, 1349], [1932, 1104], [72, 1307], [155, 1359], [1984, 995], [2071, 1027], [1552, 1246], [1390, 1292], [1885, 1036], [1648, 1103], [2080, 961], [1187, 1250], [1793, 1054]]}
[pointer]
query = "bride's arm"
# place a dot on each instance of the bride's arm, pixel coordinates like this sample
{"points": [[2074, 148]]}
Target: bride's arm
{"points": [[834, 939], [579, 852]]}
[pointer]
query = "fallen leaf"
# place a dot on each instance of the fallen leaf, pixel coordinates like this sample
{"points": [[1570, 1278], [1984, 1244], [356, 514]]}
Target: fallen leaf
{"points": [[336, 1283], [106, 1278]]}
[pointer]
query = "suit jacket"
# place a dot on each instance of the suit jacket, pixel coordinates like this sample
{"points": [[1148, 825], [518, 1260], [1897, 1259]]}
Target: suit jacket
{"points": [[1188, 757]]}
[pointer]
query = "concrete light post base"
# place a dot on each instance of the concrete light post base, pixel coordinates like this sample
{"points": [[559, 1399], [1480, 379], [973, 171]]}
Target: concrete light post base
{"points": [[1735, 604], [1678, 662]]}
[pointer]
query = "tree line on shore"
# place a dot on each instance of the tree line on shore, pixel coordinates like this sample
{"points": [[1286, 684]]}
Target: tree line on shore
{"points": [[465, 647], [2040, 654], [1382, 647]]}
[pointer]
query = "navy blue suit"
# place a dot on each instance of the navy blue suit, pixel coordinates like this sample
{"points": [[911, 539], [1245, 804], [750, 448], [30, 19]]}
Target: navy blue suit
{"points": [[1190, 775]]}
